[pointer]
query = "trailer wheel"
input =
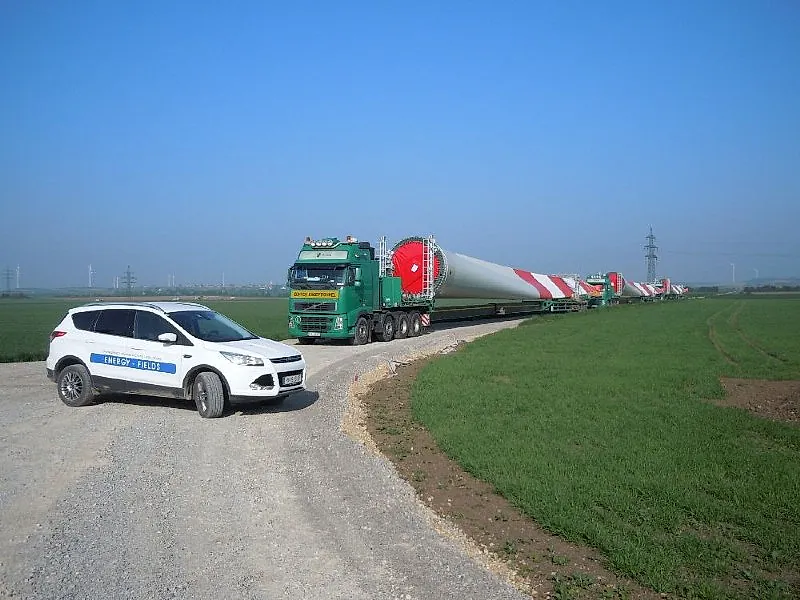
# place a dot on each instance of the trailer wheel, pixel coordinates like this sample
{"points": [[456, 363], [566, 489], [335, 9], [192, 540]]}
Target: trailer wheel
{"points": [[414, 324], [361, 333], [386, 330], [400, 325]]}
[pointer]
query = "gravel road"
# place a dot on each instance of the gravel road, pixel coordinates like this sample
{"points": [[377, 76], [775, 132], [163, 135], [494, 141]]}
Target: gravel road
{"points": [[141, 498]]}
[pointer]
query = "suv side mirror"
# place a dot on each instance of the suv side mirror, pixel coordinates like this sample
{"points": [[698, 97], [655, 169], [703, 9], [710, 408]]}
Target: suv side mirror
{"points": [[167, 338]]}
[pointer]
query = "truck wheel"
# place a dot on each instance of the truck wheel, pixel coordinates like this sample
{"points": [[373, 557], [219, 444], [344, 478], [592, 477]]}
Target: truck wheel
{"points": [[386, 331], [208, 395], [75, 386], [414, 324], [305, 341], [400, 325], [361, 333]]}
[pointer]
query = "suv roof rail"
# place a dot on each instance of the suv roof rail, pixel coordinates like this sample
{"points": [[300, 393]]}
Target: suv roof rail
{"points": [[123, 303], [152, 305]]}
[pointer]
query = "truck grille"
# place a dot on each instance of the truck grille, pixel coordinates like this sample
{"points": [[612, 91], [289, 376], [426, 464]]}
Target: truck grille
{"points": [[308, 324], [315, 306]]}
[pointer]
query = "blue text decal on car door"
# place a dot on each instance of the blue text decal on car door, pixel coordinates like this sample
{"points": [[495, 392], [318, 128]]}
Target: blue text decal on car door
{"points": [[133, 363]]}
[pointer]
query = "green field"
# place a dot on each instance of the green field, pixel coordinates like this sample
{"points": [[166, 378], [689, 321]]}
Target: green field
{"points": [[25, 325], [600, 427]]}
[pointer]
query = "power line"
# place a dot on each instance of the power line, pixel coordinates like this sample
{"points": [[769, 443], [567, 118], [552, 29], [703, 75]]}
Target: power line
{"points": [[129, 279], [650, 256], [741, 254]]}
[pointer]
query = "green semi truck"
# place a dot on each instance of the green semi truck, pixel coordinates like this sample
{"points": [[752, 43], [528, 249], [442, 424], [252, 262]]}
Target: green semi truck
{"points": [[340, 290], [347, 289]]}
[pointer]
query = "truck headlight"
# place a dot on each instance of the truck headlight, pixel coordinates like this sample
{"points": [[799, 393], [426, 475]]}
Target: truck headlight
{"points": [[338, 323], [244, 360]]}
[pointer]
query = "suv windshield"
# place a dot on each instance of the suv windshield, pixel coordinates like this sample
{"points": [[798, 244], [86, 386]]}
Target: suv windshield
{"points": [[211, 326], [317, 276]]}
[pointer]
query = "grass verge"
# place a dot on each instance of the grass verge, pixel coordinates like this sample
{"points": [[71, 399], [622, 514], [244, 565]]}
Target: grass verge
{"points": [[598, 427]]}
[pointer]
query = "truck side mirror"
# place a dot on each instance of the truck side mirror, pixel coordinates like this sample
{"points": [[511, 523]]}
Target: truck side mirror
{"points": [[357, 281]]}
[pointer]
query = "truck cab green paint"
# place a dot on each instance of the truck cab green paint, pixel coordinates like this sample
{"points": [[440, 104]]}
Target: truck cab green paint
{"points": [[332, 284]]}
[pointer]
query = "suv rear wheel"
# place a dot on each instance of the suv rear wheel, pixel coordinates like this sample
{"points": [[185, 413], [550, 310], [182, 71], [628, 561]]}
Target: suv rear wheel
{"points": [[75, 386]]}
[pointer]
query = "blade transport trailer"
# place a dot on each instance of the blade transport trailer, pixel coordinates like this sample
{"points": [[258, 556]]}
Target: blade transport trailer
{"points": [[348, 290]]}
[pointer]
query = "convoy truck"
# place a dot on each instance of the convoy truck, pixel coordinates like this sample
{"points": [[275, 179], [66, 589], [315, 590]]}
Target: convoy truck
{"points": [[347, 289]]}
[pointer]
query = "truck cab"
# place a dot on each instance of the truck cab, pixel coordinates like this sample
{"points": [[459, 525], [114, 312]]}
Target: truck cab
{"points": [[335, 288]]}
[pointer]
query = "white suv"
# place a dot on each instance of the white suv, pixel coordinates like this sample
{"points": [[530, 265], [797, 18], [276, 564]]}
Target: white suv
{"points": [[172, 349]]}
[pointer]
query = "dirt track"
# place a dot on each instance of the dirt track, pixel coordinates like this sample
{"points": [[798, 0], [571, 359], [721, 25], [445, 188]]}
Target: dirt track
{"points": [[141, 498]]}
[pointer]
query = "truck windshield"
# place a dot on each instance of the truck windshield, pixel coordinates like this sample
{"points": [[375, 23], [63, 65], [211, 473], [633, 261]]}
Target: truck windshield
{"points": [[317, 276]]}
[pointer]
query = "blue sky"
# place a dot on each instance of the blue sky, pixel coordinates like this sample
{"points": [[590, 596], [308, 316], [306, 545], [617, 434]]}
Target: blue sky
{"points": [[196, 138]]}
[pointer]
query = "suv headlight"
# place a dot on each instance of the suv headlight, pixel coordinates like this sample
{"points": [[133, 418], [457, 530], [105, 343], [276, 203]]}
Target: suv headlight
{"points": [[243, 359]]}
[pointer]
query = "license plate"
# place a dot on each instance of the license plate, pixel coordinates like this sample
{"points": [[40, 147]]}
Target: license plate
{"points": [[292, 379], [314, 334]]}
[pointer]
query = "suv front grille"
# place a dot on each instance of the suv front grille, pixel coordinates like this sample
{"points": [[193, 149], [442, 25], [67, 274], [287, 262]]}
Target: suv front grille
{"points": [[285, 359], [318, 324], [315, 306]]}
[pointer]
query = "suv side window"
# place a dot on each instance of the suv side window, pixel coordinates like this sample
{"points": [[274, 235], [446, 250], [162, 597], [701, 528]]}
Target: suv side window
{"points": [[85, 320], [115, 322], [149, 326]]}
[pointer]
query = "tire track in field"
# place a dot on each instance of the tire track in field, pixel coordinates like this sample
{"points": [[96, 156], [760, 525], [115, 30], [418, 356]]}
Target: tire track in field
{"points": [[733, 321], [713, 337]]}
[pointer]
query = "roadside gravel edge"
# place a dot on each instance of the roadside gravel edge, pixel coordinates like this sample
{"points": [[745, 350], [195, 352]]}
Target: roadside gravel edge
{"points": [[353, 424]]}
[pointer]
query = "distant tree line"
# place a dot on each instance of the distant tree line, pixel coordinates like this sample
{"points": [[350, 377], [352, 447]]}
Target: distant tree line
{"points": [[238, 291], [772, 288]]}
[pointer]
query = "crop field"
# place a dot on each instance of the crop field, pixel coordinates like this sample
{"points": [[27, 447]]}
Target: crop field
{"points": [[610, 428], [25, 325]]}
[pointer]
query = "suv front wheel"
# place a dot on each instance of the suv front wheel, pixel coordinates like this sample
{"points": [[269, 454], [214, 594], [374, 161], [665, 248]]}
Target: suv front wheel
{"points": [[208, 395], [75, 386]]}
